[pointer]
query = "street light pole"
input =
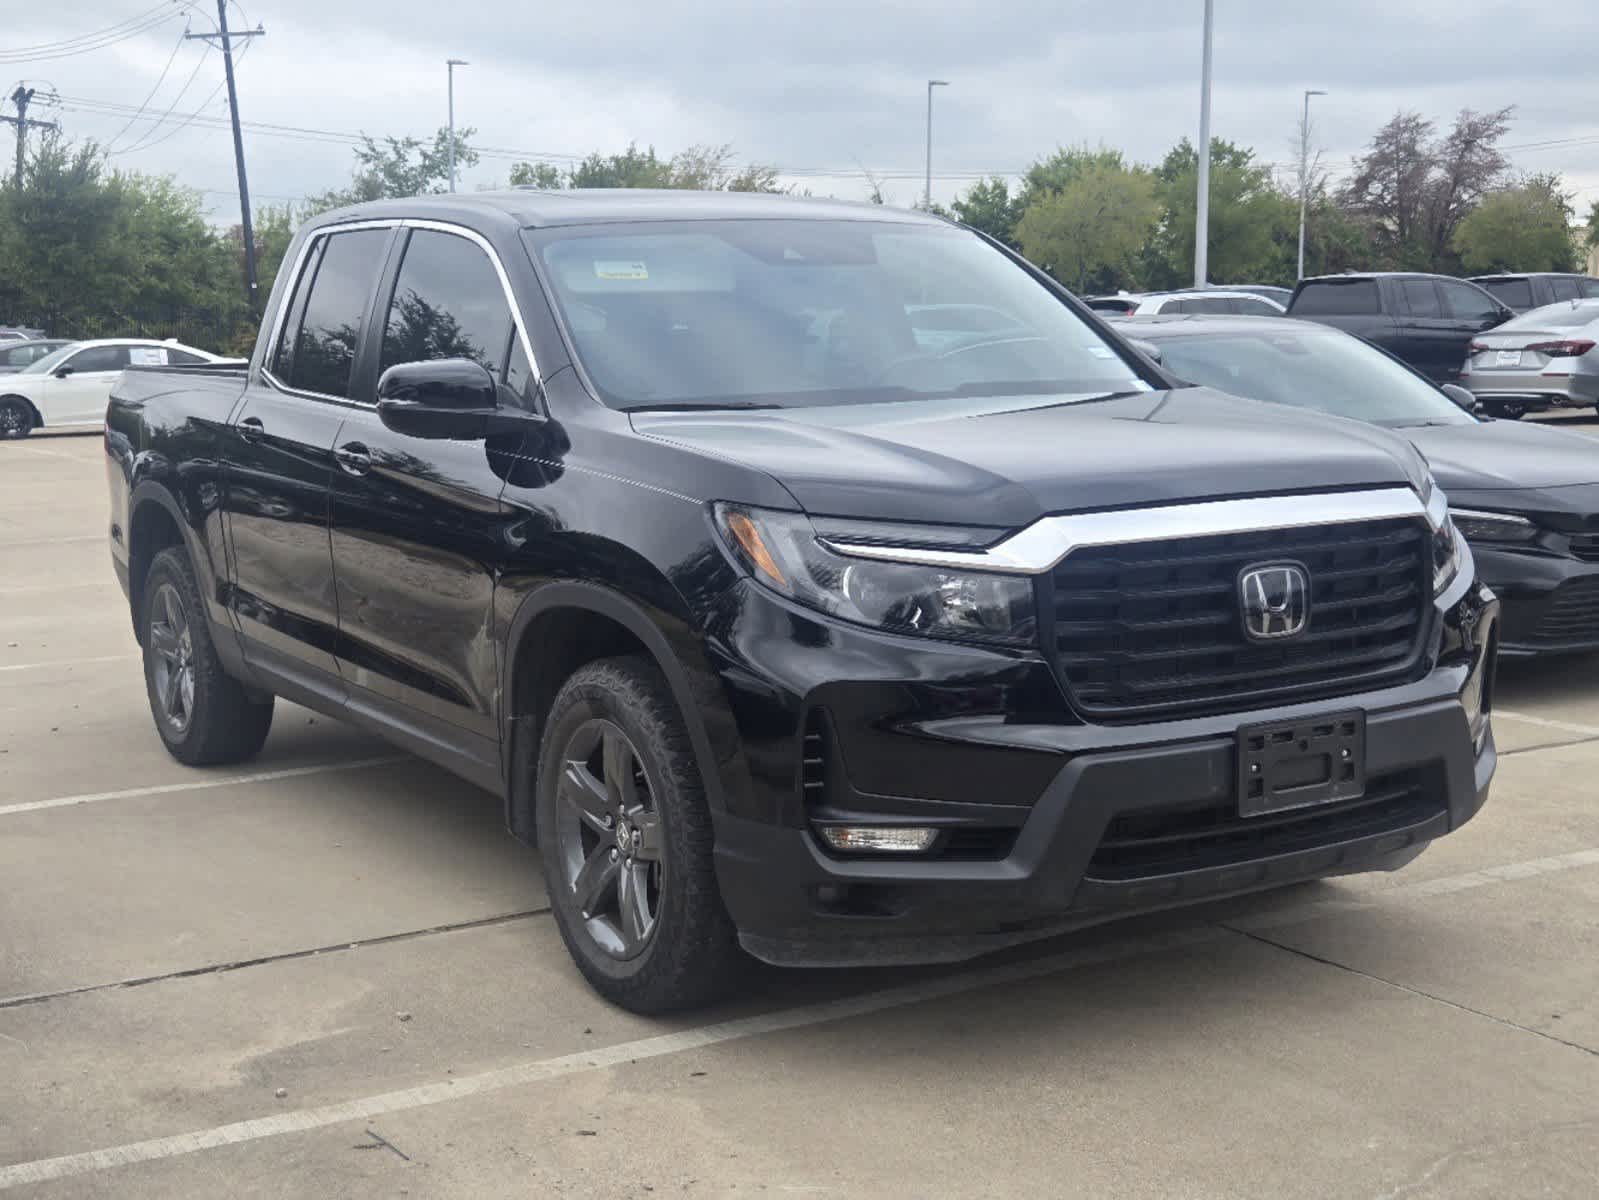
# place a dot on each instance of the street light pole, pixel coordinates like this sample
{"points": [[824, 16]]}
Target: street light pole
{"points": [[1202, 212], [927, 192], [1304, 176], [450, 65]]}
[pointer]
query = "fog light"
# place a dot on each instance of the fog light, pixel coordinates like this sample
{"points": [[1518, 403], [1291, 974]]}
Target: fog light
{"points": [[890, 839]]}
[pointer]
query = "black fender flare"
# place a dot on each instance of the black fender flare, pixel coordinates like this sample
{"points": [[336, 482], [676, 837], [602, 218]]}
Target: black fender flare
{"points": [[518, 754]]}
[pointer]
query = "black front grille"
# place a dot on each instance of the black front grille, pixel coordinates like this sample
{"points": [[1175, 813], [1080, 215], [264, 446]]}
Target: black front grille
{"points": [[1573, 614], [1141, 845], [1152, 629], [1585, 546]]}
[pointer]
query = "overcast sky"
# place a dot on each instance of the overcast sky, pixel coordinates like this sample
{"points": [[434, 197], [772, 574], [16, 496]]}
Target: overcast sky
{"points": [[819, 88]]}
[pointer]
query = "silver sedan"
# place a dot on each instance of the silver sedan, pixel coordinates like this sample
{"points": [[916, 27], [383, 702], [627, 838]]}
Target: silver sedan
{"points": [[1544, 358]]}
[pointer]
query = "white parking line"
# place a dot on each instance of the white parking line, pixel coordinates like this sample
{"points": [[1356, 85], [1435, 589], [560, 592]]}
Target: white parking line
{"points": [[55, 541], [600, 1058], [69, 662], [1529, 719], [195, 785]]}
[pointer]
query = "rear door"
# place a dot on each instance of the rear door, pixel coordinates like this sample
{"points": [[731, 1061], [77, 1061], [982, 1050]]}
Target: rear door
{"points": [[79, 397], [279, 458], [418, 529]]}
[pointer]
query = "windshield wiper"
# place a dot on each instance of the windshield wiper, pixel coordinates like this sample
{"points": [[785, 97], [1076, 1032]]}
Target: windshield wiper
{"points": [[696, 406]]}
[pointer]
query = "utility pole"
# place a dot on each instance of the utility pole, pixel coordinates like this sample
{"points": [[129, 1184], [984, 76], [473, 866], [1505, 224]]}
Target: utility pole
{"points": [[226, 39], [927, 193], [1304, 176], [450, 64], [22, 97], [1202, 214]]}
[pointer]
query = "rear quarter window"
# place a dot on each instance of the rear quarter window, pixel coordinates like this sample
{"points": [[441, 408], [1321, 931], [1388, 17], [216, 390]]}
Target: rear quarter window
{"points": [[1515, 293], [1337, 298]]}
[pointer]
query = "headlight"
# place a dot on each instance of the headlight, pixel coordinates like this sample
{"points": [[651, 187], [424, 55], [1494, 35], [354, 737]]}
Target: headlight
{"points": [[783, 552], [1492, 527], [1446, 554]]}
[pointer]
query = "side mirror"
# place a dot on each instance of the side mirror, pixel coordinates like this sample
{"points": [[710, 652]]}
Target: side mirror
{"points": [[62, 372], [1148, 349], [1461, 396], [450, 399]]}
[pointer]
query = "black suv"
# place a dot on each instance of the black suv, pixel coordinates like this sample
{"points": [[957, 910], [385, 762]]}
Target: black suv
{"points": [[1427, 321], [783, 610], [1522, 293]]}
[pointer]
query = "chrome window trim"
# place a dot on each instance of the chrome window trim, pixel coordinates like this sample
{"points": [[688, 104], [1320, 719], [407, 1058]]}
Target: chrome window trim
{"points": [[460, 231], [1043, 544]]}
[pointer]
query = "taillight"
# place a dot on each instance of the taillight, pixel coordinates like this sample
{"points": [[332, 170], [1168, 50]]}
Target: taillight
{"points": [[1569, 348], [1479, 347]]}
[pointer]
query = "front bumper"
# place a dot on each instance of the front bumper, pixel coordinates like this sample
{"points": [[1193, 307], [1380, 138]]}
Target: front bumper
{"points": [[1549, 603], [1129, 819]]}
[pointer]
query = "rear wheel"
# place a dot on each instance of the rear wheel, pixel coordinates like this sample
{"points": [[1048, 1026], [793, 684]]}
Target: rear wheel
{"points": [[16, 418], [203, 714], [625, 836]]}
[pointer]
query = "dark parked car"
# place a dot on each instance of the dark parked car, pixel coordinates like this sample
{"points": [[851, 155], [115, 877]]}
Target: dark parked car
{"points": [[1536, 289], [15, 355], [1525, 496], [1426, 320], [776, 624]]}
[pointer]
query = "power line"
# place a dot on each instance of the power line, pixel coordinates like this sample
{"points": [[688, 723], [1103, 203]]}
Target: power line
{"points": [[160, 79], [148, 138], [88, 43]]}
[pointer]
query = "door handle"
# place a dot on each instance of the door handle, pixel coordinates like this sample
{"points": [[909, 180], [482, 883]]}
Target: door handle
{"points": [[355, 458], [251, 429]]}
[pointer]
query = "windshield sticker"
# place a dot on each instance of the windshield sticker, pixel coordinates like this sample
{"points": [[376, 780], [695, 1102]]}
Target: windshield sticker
{"points": [[621, 270], [147, 356]]}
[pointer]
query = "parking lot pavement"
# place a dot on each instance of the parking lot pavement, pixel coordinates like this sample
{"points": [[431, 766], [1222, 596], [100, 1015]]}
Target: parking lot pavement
{"points": [[329, 972]]}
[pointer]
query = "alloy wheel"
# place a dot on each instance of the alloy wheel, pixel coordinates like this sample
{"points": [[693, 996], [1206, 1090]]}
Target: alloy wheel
{"points": [[172, 644], [608, 829]]}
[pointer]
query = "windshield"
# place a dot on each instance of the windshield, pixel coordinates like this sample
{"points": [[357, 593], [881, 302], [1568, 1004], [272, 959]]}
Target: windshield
{"points": [[48, 363], [1325, 370], [800, 313], [1568, 314]]}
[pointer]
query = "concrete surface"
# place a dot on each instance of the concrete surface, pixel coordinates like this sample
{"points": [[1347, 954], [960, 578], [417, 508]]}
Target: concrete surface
{"points": [[178, 947]]}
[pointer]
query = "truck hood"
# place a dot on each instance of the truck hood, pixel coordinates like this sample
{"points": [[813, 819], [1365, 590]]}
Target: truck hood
{"points": [[1009, 460], [1506, 455]]}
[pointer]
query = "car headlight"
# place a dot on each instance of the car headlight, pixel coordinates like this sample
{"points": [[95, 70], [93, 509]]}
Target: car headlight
{"points": [[1478, 526], [783, 551]]}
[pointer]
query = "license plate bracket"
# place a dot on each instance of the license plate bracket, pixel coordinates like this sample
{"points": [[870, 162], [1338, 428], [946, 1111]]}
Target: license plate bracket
{"points": [[1298, 764], [1508, 358]]}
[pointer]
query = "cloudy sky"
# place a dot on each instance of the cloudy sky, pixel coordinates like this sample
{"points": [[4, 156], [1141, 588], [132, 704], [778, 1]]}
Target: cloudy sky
{"points": [[824, 89]]}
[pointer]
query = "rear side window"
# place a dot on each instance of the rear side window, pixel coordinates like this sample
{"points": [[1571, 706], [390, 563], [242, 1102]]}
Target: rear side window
{"points": [[99, 358], [1463, 300], [1254, 308], [1207, 304], [1590, 287], [1565, 289], [1513, 293], [448, 303], [1420, 297], [183, 358], [322, 346], [1337, 298]]}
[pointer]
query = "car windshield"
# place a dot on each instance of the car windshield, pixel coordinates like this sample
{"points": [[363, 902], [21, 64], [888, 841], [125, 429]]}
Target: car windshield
{"points": [[799, 313], [48, 363], [1322, 369], [1568, 314]]}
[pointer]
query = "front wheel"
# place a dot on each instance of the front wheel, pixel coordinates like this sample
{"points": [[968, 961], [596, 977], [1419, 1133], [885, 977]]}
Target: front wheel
{"points": [[16, 419], [1509, 410], [203, 714], [625, 837]]}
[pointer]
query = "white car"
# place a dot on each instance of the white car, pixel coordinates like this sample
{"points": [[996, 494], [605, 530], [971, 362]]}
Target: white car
{"points": [[71, 386], [1213, 301]]}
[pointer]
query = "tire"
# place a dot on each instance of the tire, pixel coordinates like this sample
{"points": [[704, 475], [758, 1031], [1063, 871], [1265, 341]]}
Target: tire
{"points": [[16, 418], [1509, 411], [204, 716], [675, 947]]}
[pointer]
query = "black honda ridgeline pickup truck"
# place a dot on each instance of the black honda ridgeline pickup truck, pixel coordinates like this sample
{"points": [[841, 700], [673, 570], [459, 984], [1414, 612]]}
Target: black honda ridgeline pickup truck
{"points": [[808, 578]]}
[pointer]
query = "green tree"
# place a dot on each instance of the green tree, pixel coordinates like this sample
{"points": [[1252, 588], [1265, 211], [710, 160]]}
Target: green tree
{"points": [[989, 206], [545, 176], [399, 167], [703, 168], [1523, 228], [1249, 218], [1049, 176], [1089, 233], [1591, 238]]}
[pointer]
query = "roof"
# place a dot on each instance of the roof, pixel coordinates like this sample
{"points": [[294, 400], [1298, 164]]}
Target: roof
{"points": [[588, 206], [1199, 324], [1529, 275], [1210, 293], [1351, 275]]}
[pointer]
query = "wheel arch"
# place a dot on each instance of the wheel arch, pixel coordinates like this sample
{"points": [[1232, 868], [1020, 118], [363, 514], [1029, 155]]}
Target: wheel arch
{"points": [[582, 622]]}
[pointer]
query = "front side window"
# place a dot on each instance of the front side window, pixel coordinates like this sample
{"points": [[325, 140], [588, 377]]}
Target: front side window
{"points": [[1421, 297], [1463, 300], [448, 303], [99, 358], [1324, 370], [341, 285], [790, 313]]}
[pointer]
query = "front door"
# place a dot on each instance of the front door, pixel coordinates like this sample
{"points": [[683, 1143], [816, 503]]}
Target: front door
{"points": [[279, 458], [418, 529], [1469, 311]]}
